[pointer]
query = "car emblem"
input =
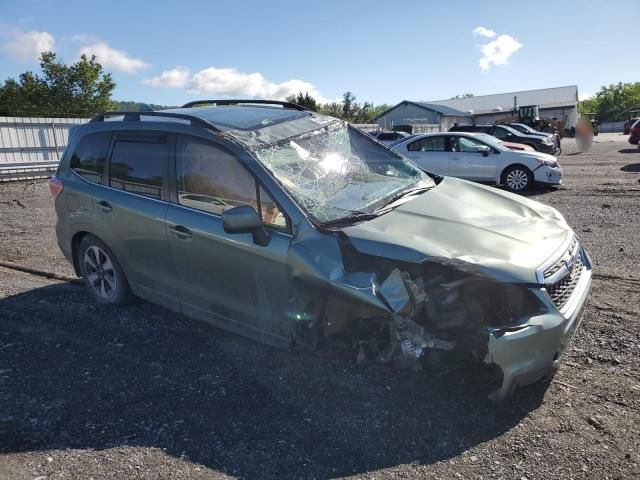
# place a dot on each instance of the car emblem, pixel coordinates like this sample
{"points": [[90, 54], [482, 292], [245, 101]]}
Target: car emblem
{"points": [[571, 261]]}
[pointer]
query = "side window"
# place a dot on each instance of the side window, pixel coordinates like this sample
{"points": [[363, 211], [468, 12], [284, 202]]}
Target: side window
{"points": [[427, 144], [90, 155], [270, 213], [466, 144], [501, 133], [213, 180], [139, 164]]}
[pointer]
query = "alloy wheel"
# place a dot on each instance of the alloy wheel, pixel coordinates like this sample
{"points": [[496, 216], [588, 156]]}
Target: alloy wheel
{"points": [[517, 179], [100, 272]]}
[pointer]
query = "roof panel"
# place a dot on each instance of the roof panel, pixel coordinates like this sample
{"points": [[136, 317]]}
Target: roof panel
{"points": [[240, 117]]}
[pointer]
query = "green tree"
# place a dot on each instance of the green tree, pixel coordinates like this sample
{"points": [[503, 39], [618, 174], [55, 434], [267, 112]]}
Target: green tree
{"points": [[130, 105], [613, 101], [349, 106], [79, 89], [348, 109], [304, 100]]}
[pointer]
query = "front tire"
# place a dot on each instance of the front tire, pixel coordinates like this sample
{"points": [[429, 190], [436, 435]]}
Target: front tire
{"points": [[101, 272], [517, 178]]}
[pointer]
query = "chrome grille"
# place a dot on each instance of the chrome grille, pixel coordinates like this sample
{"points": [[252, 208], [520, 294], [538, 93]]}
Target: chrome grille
{"points": [[561, 291], [561, 262]]}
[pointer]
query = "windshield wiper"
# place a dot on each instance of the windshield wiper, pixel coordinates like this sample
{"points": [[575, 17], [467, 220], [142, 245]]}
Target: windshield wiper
{"points": [[351, 218], [404, 193]]}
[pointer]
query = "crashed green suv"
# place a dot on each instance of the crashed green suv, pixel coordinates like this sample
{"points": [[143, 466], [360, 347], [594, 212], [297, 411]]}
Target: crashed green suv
{"points": [[291, 228]]}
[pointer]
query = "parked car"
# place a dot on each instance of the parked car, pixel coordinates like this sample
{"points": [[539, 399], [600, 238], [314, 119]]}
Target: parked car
{"points": [[479, 157], [390, 137], [506, 133], [527, 130], [290, 227], [634, 134], [626, 129]]}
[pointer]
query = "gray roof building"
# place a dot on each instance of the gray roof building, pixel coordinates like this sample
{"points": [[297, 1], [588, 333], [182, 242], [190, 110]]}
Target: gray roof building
{"points": [[557, 102], [544, 97]]}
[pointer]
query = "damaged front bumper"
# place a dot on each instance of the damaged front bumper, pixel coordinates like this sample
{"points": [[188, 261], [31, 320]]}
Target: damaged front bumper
{"points": [[548, 175], [535, 349], [526, 349]]}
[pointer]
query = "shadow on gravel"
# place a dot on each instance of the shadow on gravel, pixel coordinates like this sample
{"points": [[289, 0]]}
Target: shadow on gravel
{"points": [[80, 375], [628, 150], [538, 190], [632, 167]]}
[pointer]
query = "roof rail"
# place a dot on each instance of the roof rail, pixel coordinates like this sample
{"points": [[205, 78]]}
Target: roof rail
{"points": [[239, 102], [135, 117]]}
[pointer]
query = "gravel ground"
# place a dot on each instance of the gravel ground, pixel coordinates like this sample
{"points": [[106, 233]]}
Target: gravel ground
{"points": [[91, 391]]}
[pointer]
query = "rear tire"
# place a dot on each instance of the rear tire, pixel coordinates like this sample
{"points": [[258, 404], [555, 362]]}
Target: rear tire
{"points": [[102, 274], [517, 178]]}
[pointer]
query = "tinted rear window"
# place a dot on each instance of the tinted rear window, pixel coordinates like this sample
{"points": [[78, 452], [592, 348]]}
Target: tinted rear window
{"points": [[388, 136], [90, 155], [139, 165]]}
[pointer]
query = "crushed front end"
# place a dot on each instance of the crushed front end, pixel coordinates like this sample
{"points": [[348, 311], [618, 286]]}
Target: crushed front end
{"points": [[397, 311]]}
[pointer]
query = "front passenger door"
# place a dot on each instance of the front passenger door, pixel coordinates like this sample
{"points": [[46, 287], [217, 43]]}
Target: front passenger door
{"points": [[224, 278], [467, 160]]}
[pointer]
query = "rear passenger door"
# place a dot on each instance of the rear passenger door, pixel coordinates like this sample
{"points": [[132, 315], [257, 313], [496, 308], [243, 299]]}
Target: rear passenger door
{"points": [[225, 278], [429, 153], [132, 210]]}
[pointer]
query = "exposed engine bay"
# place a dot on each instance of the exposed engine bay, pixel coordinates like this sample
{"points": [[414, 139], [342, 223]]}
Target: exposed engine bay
{"points": [[428, 306]]}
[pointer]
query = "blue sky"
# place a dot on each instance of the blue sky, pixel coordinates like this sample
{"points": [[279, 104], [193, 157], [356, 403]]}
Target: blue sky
{"points": [[170, 52]]}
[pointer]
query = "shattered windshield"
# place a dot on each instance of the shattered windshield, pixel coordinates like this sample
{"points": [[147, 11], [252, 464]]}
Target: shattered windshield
{"points": [[338, 171]]}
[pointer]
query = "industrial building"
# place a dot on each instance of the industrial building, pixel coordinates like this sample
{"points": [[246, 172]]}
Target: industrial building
{"points": [[559, 103]]}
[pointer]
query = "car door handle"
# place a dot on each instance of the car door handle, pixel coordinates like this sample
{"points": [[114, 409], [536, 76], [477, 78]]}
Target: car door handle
{"points": [[105, 206], [455, 158], [181, 232]]}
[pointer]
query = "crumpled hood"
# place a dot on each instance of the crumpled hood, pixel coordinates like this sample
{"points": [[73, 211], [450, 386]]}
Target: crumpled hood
{"points": [[495, 232]]}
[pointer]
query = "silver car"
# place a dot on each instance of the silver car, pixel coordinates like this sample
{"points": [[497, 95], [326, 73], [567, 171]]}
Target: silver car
{"points": [[480, 157]]}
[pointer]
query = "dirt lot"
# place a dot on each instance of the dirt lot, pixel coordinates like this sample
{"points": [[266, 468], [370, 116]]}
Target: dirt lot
{"points": [[90, 391]]}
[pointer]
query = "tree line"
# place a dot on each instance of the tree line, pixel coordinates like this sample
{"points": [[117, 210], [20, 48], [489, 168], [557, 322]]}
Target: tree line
{"points": [[78, 90], [347, 109], [83, 89], [613, 102]]}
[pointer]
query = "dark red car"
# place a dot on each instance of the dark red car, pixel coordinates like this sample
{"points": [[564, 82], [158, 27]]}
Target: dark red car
{"points": [[634, 134]]}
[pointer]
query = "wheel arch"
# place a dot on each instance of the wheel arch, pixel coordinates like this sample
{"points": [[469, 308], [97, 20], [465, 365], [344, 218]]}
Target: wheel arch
{"points": [[511, 165], [75, 245]]}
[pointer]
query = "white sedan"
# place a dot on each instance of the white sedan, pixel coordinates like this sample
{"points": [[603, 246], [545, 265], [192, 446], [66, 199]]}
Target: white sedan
{"points": [[480, 157]]}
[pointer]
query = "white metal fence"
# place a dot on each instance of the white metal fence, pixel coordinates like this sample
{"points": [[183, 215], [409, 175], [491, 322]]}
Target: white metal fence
{"points": [[609, 127], [30, 147]]}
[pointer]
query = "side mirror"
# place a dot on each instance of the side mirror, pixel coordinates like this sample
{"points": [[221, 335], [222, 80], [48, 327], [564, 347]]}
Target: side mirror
{"points": [[244, 219], [485, 150]]}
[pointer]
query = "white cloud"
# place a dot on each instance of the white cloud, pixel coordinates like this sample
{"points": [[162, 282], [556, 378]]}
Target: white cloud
{"points": [[110, 58], [498, 51], [27, 46], [84, 38], [175, 78], [228, 82], [483, 32]]}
